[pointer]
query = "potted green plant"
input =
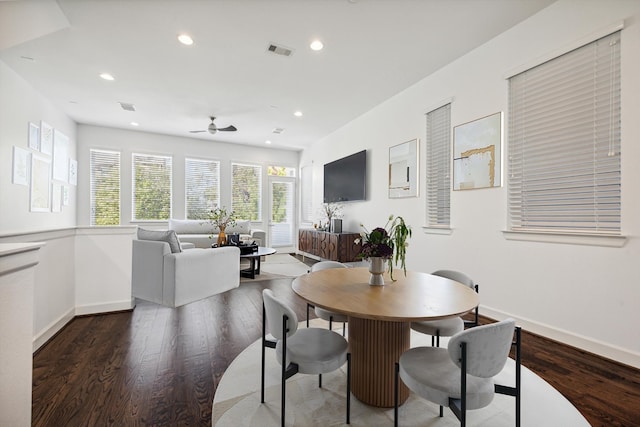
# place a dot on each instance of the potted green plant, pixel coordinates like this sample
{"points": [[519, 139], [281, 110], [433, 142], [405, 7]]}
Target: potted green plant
{"points": [[388, 243], [222, 219]]}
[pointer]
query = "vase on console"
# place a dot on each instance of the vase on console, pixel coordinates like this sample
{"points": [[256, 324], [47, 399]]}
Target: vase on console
{"points": [[377, 267]]}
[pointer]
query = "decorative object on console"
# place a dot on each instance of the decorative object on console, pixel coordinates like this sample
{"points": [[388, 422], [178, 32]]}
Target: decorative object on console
{"points": [[388, 242], [331, 211], [222, 219]]}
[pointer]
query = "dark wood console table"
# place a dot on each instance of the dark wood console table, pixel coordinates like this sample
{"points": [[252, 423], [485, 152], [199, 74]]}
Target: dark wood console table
{"points": [[340, 247]]}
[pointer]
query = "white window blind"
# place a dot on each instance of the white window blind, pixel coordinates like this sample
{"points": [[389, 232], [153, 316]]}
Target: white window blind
{"points": [[202, 187], [104, 187], [151, 192], [564, 142], [246, 191], [306, 188], [439, 167]]}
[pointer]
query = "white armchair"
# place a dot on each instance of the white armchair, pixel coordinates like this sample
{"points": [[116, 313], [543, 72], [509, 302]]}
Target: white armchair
{"points": [[175, 279]]}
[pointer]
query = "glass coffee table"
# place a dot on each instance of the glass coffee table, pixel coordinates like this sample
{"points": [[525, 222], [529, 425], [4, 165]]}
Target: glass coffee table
{"points": [[254, 261]]}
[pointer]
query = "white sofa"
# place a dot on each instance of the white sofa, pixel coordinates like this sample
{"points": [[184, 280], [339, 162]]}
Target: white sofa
{"points": [[198, 231], [175, 279]]}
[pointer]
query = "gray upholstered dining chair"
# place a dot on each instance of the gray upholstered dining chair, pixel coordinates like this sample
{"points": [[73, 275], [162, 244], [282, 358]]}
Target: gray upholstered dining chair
{"points": [[306, 351], [451, 326], [327, 315], [461, 375]]}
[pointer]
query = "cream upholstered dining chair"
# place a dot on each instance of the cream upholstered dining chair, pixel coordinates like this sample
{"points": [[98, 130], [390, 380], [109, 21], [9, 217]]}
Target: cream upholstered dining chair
{"points": [[327, 315], [451, 326], [305, 351], [461, 375]]}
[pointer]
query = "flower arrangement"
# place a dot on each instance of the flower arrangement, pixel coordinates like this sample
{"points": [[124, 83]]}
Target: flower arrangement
{"points": [[388, 242], [330, 211], [221, 218]]}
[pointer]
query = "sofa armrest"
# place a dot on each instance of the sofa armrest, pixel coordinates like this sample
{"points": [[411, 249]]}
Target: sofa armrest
{"points": [[147, 269], [200, 273], [259, 236]]}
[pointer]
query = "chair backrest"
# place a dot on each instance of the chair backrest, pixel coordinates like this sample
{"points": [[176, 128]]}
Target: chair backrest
{"points": [[488, 347], [457, 276], [324, 265], [275, 309]]}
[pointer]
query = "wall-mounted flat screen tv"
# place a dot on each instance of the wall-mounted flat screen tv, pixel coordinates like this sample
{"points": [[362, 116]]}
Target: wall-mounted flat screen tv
{"points": [[345, 179]]}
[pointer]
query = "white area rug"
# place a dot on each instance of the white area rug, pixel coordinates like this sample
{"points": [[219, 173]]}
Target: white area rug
{"points": [[277, 266], [237, 399]]}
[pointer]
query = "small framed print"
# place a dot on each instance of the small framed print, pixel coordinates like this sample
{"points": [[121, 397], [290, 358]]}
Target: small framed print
{"points": [[34, 136], [21, 166], [40, 183], [46, 138], [73, 172]]}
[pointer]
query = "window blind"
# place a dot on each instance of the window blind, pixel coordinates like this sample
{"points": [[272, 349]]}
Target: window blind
{"points": [[306, 188], [438, 167], [246, 191], [104, 170], [202, 187], [152, 184], [564, 142]]}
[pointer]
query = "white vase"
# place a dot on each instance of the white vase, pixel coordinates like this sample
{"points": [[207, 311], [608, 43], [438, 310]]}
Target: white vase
{"points": [[377, 266]]}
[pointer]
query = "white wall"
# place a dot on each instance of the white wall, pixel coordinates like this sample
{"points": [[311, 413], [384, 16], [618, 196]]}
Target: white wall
{"points": [[128, 142], [583, 295], [19, 105]]}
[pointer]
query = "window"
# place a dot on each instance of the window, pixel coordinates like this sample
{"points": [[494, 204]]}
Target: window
{"points": [[306, 192], [246, 191], [564, 142], [105, 187], [202, 187], [151, 187], [438, 167], [281, 171]]}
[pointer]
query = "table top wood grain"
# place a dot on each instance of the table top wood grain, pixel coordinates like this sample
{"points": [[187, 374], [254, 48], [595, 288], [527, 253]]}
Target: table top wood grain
{"points": [[416, 296]]}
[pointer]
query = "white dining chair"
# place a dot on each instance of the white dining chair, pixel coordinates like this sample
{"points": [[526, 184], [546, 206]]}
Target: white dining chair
{"points": [[305, 351], [461, 375], [450, 326], [327, 315]]}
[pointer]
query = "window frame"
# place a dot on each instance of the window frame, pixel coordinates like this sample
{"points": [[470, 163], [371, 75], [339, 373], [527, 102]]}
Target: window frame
{"points": [[260, 184], [214, 203], [438, 169], [168, 162], [117, 156]]}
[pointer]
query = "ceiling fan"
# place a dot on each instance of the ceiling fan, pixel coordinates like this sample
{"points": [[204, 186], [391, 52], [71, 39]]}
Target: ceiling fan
{"points": [[212, 129]]}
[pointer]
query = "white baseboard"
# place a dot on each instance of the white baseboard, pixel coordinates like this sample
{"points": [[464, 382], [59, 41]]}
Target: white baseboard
{"points": [[603, 349], [47, 333], [84, 310]]}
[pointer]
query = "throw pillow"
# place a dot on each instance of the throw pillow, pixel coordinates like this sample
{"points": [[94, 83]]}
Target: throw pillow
{"points": [[168, 236]]}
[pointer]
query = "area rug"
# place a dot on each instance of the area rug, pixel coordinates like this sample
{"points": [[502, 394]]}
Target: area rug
{"points": [[277, 266], [237, 399]]}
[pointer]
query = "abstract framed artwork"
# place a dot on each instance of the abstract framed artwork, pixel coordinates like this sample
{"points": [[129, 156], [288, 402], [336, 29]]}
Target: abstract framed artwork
{"points": [[477, 153], [34, 136], [403, 170], [20, 166], [40, 183], [60, 156], [46, 138]]}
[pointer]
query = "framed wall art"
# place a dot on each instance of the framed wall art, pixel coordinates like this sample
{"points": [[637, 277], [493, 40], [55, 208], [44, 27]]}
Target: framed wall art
{"points": [[34, 136], [46, 138], [20, 166], [477, 153], [40, 183], [60, 156], [403, 170]]}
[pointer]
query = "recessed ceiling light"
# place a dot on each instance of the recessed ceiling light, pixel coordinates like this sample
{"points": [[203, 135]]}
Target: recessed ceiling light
{"points": [[316, 45], [185, 39], [134, 124], [267, 142], [107, 76], [298, 114]]}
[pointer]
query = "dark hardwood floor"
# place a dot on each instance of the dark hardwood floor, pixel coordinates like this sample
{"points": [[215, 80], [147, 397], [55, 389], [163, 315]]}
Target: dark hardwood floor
{"points": [[156, 366]]}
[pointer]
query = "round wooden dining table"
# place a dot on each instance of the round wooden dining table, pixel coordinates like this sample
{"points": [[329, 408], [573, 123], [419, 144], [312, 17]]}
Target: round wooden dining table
{"points": [[380, 319]]}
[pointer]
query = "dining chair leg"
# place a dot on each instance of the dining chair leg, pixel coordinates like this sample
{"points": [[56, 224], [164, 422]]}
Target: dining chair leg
{"points": [[331, 323], [344, 327], [395, 394], [319, 380], [348, 388]]}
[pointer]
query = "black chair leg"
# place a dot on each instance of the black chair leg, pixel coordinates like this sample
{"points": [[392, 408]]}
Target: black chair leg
{"points": [[319, 380], [344, 327], [395, 394], [331, 323], [348, 388], [441, 411]]}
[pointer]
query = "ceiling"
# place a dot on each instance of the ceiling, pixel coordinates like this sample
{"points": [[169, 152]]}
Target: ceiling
{"points": [[373, 49]]}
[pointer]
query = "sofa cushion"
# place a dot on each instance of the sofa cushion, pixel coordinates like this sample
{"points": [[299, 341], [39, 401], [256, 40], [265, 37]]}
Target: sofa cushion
{"points": [[241, 227], [192, 226], [168, 236]]}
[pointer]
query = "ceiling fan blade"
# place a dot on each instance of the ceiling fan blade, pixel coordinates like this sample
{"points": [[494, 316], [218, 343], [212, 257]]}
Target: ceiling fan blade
{"points": [[228, 129], [197, 131]]}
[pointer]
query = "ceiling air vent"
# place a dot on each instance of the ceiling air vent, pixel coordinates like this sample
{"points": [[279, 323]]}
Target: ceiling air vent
{"points": [[126, 106], [278, 130], [279, 50]]}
